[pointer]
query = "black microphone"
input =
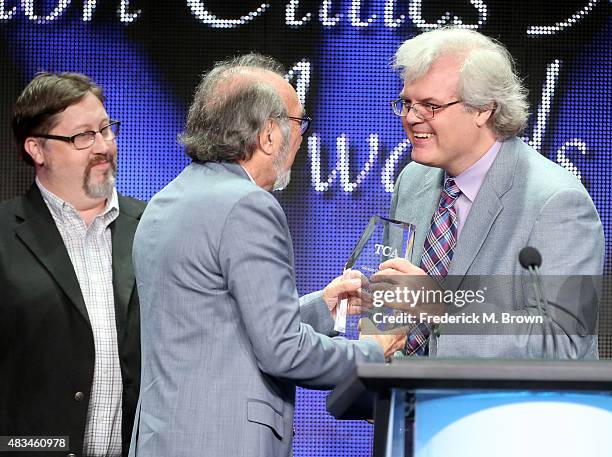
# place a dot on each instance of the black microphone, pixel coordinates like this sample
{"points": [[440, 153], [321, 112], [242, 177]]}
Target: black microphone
{"points": [[531, 260]]}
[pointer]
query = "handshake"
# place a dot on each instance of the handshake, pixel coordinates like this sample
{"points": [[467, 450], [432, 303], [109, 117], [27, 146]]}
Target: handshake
{"points": [[361, 295]]}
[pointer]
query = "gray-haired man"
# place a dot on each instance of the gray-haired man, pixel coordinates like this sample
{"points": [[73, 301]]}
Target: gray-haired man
{"points": [[478, 195], [224, 337]]}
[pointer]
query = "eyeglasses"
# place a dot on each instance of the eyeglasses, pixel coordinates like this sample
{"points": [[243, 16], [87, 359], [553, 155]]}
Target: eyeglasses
{"points": [[87, 139], [304, 123], [423, 111]]}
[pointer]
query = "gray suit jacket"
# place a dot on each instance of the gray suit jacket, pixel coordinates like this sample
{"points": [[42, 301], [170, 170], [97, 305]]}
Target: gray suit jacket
{"points": [[525, 200], [224, 339]]}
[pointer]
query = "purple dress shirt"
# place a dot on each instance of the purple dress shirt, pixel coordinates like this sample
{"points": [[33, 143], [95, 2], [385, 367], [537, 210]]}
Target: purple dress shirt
{"points": [[470, 180]]}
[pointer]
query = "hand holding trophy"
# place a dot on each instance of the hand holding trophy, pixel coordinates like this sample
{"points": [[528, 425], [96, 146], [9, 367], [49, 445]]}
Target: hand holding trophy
{"points": [[383, 239]]}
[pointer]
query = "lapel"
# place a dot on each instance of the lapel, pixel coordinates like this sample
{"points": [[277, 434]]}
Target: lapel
{"points": [[421, 213], [485, 209], [40, 234], [123, 230]]}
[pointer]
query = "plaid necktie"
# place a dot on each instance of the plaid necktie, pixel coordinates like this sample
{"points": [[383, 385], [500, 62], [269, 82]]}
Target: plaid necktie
{"points": [[437, 255]]}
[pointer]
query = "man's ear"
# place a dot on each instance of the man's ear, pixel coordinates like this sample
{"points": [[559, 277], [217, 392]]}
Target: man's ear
{"points": [[34, 150], [268, 137], [482, 117]]}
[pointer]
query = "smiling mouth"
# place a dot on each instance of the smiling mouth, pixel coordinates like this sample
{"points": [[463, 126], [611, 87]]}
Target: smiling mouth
{"points": [[423, 135]]}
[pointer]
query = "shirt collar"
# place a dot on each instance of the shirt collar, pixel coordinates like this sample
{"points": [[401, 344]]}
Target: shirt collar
{"points": [[249, 175], [470, 180], [57, 206]]}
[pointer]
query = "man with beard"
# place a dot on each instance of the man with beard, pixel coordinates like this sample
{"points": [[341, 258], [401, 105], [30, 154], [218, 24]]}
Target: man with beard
{"points": [[69, 317], [225, 338]]}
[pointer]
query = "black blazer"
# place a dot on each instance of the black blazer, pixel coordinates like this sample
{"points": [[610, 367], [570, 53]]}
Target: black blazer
{"points": [[46, 341]]}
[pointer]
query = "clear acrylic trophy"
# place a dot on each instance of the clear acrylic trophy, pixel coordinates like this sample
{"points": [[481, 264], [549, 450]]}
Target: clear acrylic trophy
{"points": [[381, 240]]}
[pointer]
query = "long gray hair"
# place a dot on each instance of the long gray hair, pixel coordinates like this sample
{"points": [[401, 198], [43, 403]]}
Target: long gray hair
{"points": [[487, 78]]}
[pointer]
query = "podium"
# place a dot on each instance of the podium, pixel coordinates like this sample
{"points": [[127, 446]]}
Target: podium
{"points": [[431, 407]]}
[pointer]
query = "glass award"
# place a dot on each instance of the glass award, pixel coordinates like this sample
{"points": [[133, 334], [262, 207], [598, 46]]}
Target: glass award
{"points": [[382, 239]]}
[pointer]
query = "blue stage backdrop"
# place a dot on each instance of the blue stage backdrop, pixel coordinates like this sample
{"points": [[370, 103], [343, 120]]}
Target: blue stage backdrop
{"points": [[149, 56]]}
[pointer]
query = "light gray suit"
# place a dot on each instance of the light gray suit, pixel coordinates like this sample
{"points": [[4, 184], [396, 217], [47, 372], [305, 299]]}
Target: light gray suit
{"points": [[223, 336], [525, 200]]}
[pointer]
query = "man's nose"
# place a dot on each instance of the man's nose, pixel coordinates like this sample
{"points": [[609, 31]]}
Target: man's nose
{"points": [[101, 146], [410, 117]]}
